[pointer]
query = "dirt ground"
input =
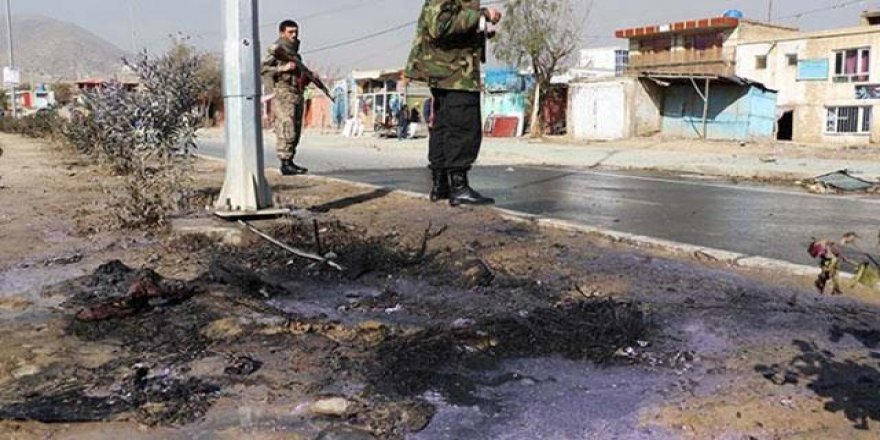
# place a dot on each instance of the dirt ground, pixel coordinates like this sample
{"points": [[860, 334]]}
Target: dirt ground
{"points": [[443, 324]]}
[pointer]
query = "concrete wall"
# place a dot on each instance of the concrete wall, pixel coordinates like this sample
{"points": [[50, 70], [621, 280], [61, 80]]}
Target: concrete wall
{"points": [[756, 31], [614, 108], [599, 110], [810, 98], [735, 112], [647, 99], [597, 63]]}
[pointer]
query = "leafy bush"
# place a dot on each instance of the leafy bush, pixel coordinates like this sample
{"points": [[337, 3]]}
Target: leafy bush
{"points": [[146, 135]]}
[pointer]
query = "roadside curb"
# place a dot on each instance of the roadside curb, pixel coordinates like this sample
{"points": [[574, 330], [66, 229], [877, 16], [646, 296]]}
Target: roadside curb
{"points": [[639, 241]]}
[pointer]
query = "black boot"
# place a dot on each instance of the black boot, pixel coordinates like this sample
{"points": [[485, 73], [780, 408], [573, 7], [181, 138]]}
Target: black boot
{"points": [[440, 186], [288, 168], [462, 194]]}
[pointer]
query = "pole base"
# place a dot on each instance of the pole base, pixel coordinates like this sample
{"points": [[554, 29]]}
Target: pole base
{"points": [[252, 215]]}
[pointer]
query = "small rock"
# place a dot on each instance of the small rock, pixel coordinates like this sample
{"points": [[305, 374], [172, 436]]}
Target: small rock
{"points": [[463, 323], [371, 326], [25, 371], [394, 309], [331, 406], [527, 382], [154, 409], [226, 328]]}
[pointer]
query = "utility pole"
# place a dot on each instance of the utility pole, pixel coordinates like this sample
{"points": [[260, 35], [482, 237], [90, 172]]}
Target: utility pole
{"points": [[770, 11], [12, 85], [134, 48], [245, 191]]}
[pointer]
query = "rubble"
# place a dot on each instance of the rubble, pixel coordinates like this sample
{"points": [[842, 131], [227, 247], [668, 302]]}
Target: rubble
{"points": [[839, 181]]}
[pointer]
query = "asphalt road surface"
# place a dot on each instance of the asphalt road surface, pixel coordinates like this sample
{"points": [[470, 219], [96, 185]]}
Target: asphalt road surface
{"points": [[773, 222]]}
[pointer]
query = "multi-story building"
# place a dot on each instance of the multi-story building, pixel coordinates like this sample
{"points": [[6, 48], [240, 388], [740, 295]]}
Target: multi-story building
{"points": [[828, 81], [680, 81], [704, 46]]}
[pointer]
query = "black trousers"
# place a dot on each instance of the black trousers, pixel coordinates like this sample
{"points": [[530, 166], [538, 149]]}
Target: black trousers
{"points": [[457, 131]]}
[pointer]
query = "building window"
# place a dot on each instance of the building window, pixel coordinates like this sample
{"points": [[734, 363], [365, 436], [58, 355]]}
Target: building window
{"points": [[852, 65], [854, 120], [621, 61], [656, 44], [704, 41], [761, 62], [792, 59]]}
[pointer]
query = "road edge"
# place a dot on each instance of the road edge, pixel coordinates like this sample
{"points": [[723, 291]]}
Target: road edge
{"points": [[700, 253]]}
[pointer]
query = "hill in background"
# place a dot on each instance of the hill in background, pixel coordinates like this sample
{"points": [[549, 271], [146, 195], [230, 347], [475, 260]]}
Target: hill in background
{"points": [[48, 50]]}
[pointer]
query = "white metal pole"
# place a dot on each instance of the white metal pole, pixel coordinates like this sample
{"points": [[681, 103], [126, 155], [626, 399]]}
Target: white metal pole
{"points": [[134, 47], [245, 188], [11, 55]]}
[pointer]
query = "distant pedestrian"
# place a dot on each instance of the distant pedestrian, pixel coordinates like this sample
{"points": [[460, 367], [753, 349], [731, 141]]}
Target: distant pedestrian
{"points": [[403, 122], [428, 112], [414, 116]]}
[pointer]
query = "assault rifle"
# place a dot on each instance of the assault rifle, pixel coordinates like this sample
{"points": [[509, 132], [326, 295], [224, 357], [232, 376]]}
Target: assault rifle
{"points": [[286, 53]]}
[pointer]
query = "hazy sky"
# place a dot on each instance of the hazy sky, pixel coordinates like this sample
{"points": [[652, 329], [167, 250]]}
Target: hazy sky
{"points": [[146, 23]]}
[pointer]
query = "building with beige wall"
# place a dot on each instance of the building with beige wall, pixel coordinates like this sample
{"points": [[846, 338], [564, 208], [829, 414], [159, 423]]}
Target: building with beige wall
{"points": [[680, 83], [701, 46], [828, 82]]}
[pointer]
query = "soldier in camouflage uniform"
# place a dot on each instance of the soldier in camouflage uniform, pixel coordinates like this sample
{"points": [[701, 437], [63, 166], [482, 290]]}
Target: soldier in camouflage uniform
{"points": [[446, 54], [285, 81]]}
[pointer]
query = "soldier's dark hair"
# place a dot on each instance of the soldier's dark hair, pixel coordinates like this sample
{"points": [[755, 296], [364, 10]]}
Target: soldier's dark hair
{"points": [[287, 24]]}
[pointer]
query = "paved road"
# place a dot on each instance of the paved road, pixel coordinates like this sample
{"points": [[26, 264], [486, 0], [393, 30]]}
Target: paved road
{"points": [[322, 154], [765, 221]]}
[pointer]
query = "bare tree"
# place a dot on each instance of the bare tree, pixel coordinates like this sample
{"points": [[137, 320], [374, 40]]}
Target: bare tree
{"points": [[64, 92], [540, 35]]}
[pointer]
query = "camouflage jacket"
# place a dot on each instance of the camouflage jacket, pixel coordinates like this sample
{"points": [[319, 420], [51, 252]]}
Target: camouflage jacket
{"points": [[272, 77], [448, 45]]}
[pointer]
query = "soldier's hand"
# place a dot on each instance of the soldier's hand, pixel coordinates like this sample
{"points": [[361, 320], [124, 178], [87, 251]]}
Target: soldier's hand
{"points": [[287, 67], [493, 15]]}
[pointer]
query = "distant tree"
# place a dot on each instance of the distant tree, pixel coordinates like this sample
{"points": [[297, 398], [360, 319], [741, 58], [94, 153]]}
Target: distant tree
{"points": [[63, 92], [540, 35], [209, 74]]}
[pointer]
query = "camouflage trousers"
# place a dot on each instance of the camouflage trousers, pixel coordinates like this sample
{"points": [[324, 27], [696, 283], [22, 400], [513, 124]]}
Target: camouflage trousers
{"points": [[287, 111], [830, 269]]}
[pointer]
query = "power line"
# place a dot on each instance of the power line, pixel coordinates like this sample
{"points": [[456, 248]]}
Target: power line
{"points": [[840, 5], [349, 41], [352, 6], [361, 38], [379, 33]]}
